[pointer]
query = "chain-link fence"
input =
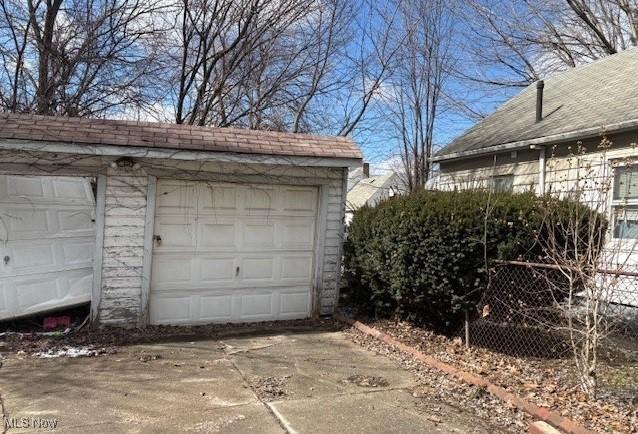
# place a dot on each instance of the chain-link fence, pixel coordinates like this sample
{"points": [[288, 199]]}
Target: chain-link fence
{"points": [[539, 310]]}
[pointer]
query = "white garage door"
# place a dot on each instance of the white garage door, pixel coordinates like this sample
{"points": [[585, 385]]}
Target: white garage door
{"points": [[47, 242], [230, 252]]}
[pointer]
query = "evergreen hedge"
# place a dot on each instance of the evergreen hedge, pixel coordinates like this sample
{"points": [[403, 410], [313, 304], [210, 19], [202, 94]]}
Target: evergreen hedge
{"points": [[422, 256]]}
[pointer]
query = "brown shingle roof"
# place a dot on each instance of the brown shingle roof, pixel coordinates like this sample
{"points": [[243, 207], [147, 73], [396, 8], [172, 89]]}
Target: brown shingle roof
{"points": [[172, 136]]}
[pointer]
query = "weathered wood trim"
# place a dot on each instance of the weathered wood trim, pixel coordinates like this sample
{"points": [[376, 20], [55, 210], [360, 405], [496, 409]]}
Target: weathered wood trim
{"points": [[100, 206], [320, 249], [149, 227], [48, 170], [342, 233], [174, 154]]}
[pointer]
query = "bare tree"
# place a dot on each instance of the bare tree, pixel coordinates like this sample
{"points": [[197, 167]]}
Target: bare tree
{"points": [[77, 58], [233, 59], [512, 44], [414, 98]]}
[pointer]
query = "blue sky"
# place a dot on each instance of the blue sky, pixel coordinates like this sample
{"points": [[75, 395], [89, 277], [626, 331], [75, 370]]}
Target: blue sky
{"points": [[375, 136]]}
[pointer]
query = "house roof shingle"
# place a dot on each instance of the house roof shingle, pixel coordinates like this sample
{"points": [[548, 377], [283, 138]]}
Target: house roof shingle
{"points": [[367, 188], [598, 94], [172, 136]]}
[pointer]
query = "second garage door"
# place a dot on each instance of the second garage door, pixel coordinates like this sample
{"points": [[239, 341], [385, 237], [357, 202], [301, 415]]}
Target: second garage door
{"points": [[47, 241], [232, 252]]}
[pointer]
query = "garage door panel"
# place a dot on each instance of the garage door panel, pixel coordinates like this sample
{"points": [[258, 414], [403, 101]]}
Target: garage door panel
{"points": [[294, 303], [257, 268], [32, 292], [217, 270], [48, 222], [296, 268], [175, 232], [33, 223], [77, 253], [171, 270], [299, 199], [21, 187], [176, 197], [252, 256], [216, 307], [216, 199], [256, 305], [43, 189], [258, 235], [3, 299], [217, 234], [70, 190], [298, 234], [49, 290], [171, 310], [79, 284], [25, 256], [22, 222], [71, 221], [259, 199]]}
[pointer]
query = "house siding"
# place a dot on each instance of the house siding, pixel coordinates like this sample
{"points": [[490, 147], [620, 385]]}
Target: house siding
{"points": [[123, 254], [476, 172], [565, 166]]}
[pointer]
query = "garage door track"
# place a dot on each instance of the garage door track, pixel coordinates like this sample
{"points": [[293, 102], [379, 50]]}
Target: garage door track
{"points": [[287, 381]]}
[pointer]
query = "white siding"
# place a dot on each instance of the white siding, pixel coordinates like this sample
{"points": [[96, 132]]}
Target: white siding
{"points": [[125, 209]]}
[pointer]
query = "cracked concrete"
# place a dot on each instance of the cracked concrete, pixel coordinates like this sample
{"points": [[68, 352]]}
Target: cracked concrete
{"points": [[207, 386]]}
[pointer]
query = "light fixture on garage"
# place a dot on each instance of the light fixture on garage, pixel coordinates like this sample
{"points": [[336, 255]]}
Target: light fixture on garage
{"points": [[125, 163]]}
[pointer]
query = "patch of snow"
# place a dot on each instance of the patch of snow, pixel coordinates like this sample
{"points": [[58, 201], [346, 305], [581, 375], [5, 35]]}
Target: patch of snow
{"points": [[69, 352]]}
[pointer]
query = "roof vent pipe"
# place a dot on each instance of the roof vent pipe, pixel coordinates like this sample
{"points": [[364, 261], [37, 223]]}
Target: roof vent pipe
{"points": [[540, 84]]}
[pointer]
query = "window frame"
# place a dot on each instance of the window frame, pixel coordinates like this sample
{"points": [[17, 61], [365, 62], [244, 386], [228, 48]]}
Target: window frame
{"points": [[621, 203], [509, 176]]}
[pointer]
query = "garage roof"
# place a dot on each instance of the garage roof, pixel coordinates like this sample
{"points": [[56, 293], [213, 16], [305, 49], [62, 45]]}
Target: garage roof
{"points": [[172, 136], [587, 101]]}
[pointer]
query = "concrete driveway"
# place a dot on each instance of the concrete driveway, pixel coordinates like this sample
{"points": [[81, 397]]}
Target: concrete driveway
{"points": [[286, 381]]}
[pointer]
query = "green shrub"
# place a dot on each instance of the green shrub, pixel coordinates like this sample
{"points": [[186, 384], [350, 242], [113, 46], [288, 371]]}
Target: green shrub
{"points": [[422, 256]]}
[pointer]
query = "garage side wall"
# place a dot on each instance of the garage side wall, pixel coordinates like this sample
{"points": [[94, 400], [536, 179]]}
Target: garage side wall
{"points": [[122, 281], [336, 209]]}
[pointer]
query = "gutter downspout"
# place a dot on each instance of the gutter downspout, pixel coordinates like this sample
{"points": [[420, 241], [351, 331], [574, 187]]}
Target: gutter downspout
{"points": [[541, 171]]}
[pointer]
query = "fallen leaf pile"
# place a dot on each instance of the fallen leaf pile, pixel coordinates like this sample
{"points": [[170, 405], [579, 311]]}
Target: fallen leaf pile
{"points": [[549, 383]]}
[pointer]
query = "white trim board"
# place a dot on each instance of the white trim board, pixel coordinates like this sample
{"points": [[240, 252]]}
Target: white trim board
{"points": [[100, 202], [175, 154]]}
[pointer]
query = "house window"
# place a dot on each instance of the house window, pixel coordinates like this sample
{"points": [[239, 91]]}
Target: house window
{"points": [[503, 183], [625, 203]]}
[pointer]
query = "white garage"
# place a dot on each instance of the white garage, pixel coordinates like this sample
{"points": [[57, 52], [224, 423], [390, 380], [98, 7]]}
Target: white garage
{"points": [[185, 224], [227, 252], [47, 241]]}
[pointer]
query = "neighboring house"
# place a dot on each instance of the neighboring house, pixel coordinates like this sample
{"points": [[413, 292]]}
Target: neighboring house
{"points": [[169, 224], [364, 189], [547, 139], [531, 141]]}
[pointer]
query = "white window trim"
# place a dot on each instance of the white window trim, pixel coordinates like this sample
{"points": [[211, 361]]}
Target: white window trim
{"points": [[614, 163], [493, 178]]}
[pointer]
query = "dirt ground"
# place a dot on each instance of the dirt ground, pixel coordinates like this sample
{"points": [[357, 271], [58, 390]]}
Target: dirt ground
{"points": [[548, 383], [304, 379]]}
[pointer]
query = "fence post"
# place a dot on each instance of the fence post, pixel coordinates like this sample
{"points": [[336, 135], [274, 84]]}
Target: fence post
{"points": [[467, 328]]}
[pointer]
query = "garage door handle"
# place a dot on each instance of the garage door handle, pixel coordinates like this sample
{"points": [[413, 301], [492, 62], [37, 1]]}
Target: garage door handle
{"points": [[236, 271], [6, 260], [157, 239]]}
